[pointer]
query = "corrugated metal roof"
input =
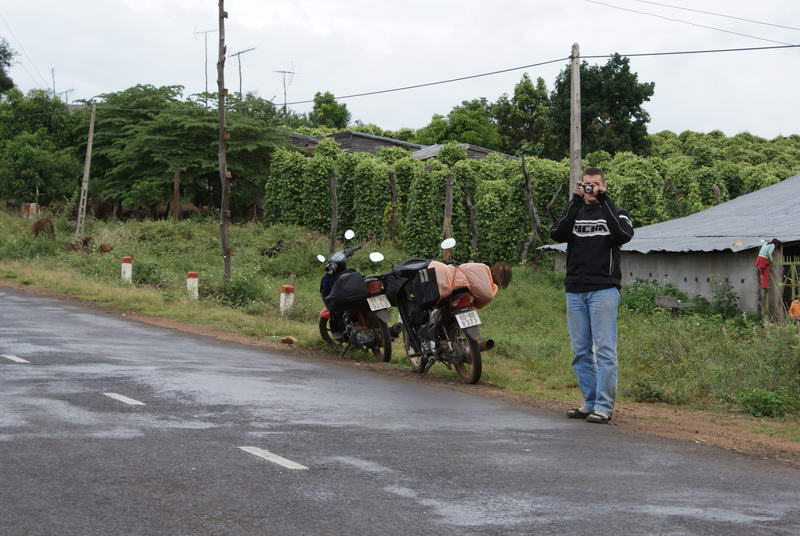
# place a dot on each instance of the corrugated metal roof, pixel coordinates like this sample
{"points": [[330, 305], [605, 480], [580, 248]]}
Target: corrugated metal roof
{"points": [[432, 150], [347, 133], [736, 225]]}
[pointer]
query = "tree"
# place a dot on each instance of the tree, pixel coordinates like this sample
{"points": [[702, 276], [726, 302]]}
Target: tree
{"points": [[523, 120], [35, 111], [32, 168], [471, 122], [327, 112], [612, 117], [6, 57]]}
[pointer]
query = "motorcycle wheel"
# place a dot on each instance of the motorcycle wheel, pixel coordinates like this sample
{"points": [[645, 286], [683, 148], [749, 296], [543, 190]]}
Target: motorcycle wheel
{"points": [[382, 349], [325, 332], [418, 363], [471, 366]]}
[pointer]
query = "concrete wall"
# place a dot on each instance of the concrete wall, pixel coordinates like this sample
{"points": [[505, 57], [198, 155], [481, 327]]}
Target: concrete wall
{"points": [[693, 273]]}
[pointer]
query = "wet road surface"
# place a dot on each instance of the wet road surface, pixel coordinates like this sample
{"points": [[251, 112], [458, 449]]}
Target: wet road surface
{"points": [[108, 426]]}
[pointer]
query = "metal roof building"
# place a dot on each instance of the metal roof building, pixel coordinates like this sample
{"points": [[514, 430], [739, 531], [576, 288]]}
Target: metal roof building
{"points": [[474, 152], [720, 243]]}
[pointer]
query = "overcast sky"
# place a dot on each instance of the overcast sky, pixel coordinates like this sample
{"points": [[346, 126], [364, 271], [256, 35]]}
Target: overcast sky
{"points": [[350, 46]]}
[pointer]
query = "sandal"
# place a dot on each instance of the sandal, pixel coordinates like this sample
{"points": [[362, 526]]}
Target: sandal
{"points": [[598, 418], [577, 413]]}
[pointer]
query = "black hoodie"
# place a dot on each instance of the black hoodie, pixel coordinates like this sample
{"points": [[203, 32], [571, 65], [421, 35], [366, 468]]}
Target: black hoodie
{"points": [[594, 234]]}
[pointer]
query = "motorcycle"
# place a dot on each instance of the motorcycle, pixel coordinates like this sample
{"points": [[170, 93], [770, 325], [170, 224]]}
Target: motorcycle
{"points": [[356, 312], [434, 330]]}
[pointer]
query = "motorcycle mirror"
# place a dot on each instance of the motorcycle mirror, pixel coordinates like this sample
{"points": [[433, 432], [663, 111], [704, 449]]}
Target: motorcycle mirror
{"points": [[349, 234], [448, 243], [376, 256], [320, 258]]}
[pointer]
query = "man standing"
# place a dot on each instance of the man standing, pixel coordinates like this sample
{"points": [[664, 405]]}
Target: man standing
{"points": [[594, 229]]}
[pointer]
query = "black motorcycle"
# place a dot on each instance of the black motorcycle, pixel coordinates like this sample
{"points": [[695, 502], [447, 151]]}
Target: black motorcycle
{"points": [[434, 330], [356, 312]]}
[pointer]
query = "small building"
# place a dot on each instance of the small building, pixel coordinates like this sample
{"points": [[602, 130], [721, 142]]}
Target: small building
{"points": [[721, 244], [474, 152], [303, 141], [360, 142]]}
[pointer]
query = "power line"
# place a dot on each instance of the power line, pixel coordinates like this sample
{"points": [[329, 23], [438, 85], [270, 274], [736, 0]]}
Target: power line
{"points": [[415, 86], [24, 53], [403, 88], [681, 21], [717, 14]]}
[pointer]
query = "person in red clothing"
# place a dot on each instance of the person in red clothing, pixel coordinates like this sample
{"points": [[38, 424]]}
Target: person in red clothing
{"points": [[764, 259]]}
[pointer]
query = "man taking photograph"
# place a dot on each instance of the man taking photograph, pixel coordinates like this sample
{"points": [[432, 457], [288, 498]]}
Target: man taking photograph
{"points": [[594, 229]]}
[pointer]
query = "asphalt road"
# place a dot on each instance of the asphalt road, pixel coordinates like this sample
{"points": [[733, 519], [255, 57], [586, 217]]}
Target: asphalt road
{"points": [[357, 452]]}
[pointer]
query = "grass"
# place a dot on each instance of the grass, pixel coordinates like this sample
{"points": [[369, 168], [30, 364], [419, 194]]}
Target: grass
{"points": [[699, 361]]}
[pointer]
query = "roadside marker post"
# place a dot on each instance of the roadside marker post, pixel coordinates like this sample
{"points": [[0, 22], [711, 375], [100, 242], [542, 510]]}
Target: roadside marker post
{"points": [[193, 285], [127, 270], [287, 299]]}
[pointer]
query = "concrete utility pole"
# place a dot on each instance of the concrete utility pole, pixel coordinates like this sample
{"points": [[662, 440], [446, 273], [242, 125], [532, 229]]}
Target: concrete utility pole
{"points": [[575, 170], [85, 184], [205, 58], [239, 59], [53, 75], [224, 174]]}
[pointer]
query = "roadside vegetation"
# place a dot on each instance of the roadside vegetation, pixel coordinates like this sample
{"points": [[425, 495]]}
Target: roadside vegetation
{"points": [[714, 358]]}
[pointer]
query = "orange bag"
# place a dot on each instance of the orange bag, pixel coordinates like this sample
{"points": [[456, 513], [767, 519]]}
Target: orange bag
{"points": [[475, 276]]}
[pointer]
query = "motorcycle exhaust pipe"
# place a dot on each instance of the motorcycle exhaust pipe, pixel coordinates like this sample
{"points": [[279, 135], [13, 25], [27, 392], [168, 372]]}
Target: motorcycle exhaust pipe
{"points": [[488, 344]]}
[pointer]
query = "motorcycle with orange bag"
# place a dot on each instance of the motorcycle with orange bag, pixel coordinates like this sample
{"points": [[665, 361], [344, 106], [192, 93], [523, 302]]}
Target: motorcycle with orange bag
{"points": [[438, 305]]}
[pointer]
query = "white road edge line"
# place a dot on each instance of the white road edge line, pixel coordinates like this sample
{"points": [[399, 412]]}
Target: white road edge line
{"points": [[14, 358], [274, 458], [124, 399]]}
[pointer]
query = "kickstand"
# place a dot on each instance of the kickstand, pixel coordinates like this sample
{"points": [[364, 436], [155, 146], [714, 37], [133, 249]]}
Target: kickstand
{"points": [[346, 348], [428, 365]]}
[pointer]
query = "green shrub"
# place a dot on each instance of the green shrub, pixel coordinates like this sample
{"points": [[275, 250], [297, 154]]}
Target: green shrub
{"points": [[641, 295], [761, 402], [243, 290], [146, 272], [645, 390]]}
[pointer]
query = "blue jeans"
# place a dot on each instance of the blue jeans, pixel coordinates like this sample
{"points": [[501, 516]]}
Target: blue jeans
{"points": [[592, 321]]}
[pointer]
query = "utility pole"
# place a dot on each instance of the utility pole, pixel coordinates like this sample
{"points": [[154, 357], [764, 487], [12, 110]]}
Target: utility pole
{"points": [[224, 174], [85, 184], [283, 76], [205, 58], [66, 94], [239, 58], [53, 74], [575, 170]]}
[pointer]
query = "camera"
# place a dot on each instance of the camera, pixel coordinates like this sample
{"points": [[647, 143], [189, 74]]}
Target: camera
{"points": [[587, 188]]}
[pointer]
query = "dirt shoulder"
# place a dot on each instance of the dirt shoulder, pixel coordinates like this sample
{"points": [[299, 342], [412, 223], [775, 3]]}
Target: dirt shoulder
{"points": [[726, 431]]}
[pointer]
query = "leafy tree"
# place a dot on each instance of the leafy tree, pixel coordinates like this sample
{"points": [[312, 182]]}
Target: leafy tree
{"points": [[32, 168], [471, 122], [327, 112], [37, 111], [612, 117], [6, 58], [523, 120]]}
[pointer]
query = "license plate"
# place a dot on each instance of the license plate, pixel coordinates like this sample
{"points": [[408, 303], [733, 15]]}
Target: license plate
{"points": [[468, 319], [376, 303]]}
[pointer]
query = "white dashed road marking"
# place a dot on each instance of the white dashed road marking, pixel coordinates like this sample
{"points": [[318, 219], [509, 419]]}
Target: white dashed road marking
{"points": [[14, 358], [124, 399], [274, 458]]}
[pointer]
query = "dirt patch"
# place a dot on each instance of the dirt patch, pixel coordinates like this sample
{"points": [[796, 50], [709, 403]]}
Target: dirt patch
{"points": [[728, 431]]}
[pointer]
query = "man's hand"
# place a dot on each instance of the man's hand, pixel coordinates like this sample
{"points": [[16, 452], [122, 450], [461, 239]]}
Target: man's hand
{"points": [[579, 190]]}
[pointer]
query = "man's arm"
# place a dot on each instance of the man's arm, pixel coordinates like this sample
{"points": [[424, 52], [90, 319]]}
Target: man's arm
{"points": [[562, 229], [619, 223]]}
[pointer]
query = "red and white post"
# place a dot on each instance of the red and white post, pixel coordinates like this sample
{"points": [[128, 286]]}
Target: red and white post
{"points": [[192, 285], [287, 299], [127, 270]]}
